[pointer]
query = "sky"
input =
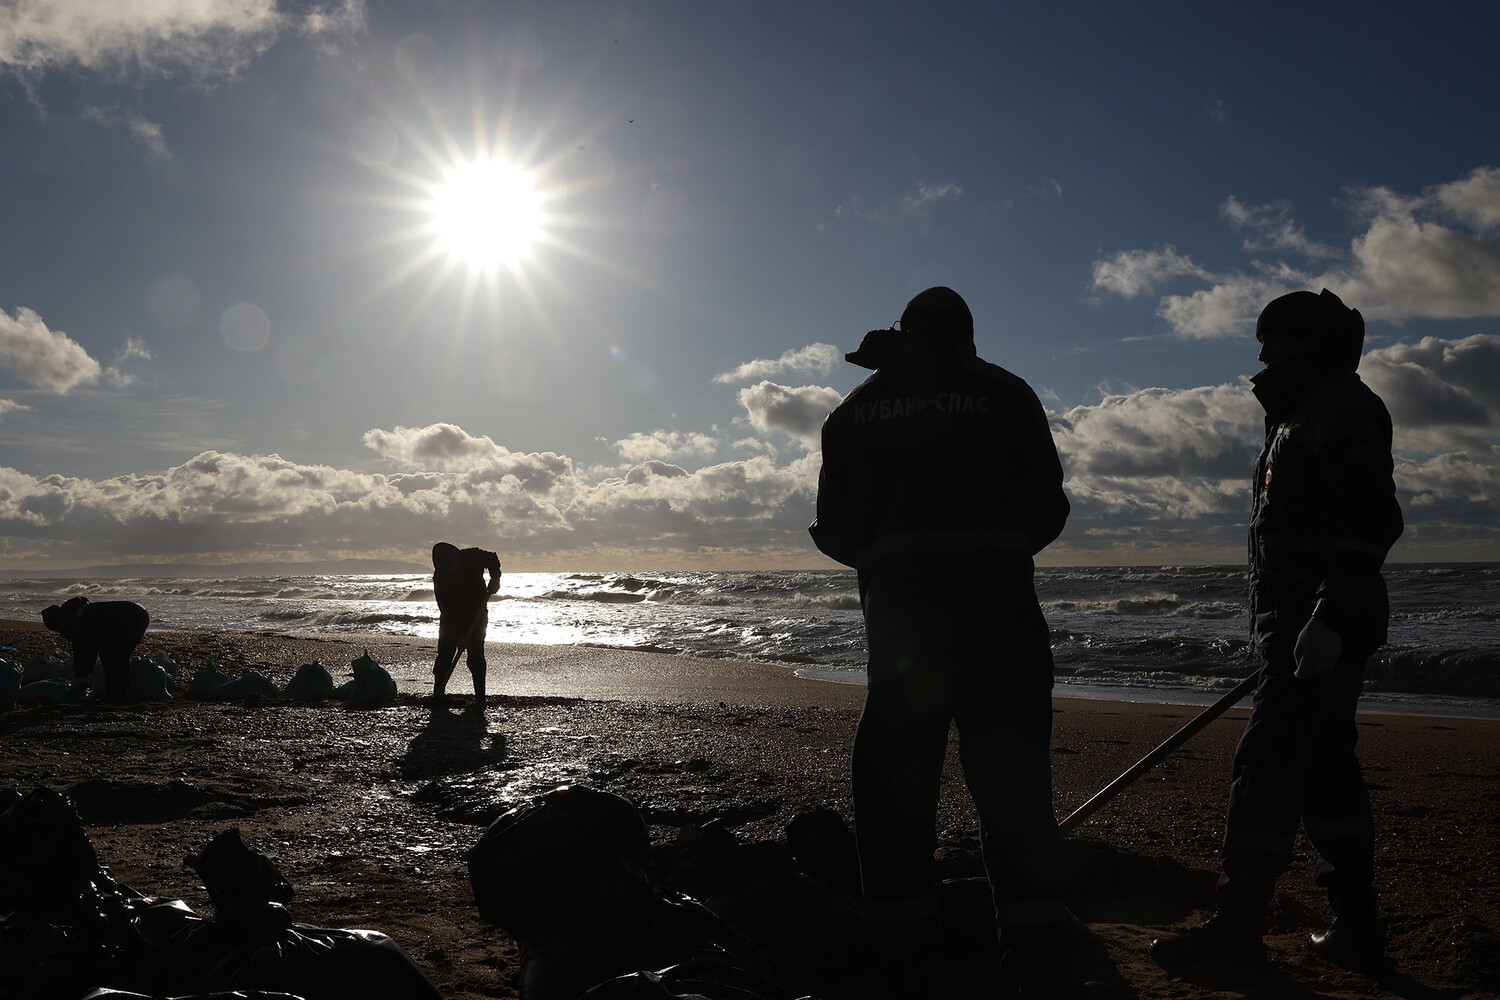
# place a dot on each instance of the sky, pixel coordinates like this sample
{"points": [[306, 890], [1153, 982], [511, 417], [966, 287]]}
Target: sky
{"points": [[573, 281]]}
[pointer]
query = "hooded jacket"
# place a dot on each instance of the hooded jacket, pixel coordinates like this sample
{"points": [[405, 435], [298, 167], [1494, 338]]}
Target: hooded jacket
{"points": [[939, 459], [1324, 512], [458, 582]]}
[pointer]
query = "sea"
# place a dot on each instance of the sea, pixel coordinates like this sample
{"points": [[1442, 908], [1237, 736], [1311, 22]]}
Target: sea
{"points": [[1168, 634]]}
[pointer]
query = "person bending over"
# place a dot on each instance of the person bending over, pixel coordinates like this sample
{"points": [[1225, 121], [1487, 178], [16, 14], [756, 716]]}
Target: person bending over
{"points": [[107, 631], [458, 583]]}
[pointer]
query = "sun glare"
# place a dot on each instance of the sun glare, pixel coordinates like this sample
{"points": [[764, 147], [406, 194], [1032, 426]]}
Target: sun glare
{"points": [[486, 214]]}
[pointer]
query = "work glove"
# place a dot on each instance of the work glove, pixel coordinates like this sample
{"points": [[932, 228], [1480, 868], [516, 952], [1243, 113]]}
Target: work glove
{"points": [[1317, 649]]}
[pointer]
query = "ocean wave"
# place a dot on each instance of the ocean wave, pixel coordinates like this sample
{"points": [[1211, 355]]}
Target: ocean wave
{"points": [[1429, 670]]}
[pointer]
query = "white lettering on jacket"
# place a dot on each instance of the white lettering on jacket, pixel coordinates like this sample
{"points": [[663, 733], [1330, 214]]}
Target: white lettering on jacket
{"points": [[944, 402]]}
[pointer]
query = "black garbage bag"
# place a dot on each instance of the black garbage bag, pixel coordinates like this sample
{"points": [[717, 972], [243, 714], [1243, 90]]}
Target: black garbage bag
{"points": [[566, 876], [108, 994], [253, 944], [71, 926]]}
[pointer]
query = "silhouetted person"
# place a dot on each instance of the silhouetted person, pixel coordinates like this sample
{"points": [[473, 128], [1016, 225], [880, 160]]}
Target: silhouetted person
{"points": [[107, 631], [940, 481], [1323, 517], [458, 583]]}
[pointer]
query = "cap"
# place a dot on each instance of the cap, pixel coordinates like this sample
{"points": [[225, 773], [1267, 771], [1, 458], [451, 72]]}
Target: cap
{"points": [[939, 312]]}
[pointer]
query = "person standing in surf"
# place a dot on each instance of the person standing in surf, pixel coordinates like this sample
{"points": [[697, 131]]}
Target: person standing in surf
{"points": [[1322, 518], [940, 482], [458, 584]]}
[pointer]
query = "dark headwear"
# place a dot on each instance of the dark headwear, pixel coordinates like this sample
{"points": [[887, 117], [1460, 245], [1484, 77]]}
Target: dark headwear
{"points": [[445, 555], [939, 312], [1331, 330], [936, 322]]}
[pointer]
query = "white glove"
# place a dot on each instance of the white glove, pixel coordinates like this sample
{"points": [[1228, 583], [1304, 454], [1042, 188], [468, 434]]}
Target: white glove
{"points": [[1317, 650]]}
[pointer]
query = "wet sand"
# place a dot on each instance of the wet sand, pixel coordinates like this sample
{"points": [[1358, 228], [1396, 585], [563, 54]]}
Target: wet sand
{"points": [[370, 814]]}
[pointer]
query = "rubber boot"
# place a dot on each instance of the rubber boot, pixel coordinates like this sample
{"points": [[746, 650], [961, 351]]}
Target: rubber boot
{"points": [[1355, 939]]}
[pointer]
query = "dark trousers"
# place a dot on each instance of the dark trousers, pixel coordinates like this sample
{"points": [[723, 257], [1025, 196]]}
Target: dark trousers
{"points": [[466, 630], [989, 671], [1296, 762]]}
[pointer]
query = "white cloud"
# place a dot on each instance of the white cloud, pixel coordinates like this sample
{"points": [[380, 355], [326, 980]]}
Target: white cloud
{"points": [[1431, 255], [1163, 474], [814, 359], [10, 406], [798, 412], [1136, 272], [144, 134], [918, 207], [221, 505], [930, 194], [665, 444], [1271, 227], [446, 447], [1155, 475], [1407, 265], [203, 41], [48, 358], [849, 211], [1475, 200]]}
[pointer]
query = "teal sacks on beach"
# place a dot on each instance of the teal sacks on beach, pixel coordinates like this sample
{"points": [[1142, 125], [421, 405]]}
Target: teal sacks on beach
{"points": [[149, 681], [52, 689], [312, 682], [206, 679], [249, 684], [371, 687]]}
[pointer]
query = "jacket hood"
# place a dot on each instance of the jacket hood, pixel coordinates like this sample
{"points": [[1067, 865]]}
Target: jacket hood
{"points": [[1334, 333]]}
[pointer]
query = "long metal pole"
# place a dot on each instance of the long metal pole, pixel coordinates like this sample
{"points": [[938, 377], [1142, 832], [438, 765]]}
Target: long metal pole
{"points": [[1172, 742]]}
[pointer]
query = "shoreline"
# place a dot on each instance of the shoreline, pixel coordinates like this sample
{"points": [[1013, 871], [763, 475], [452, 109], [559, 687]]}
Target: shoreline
{"points": [[607, 672]]}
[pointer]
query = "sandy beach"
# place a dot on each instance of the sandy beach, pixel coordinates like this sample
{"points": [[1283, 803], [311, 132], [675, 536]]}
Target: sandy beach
{"points": [[370, 814]]}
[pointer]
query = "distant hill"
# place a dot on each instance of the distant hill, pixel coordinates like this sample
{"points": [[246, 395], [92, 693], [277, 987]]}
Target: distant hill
{"points": [[333, 567]]}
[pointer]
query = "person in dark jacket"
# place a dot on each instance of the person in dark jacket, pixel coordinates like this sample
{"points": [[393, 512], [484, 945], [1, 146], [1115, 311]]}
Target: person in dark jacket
{"points": [[107, 631], [940, 482], [1323, 516], [458, 584]]}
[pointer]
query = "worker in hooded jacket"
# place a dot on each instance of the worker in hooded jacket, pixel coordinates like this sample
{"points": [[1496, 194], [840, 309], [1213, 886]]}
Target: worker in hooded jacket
{"points": [[1323, 516], [100, 632], [940, 482], [458, 585]]}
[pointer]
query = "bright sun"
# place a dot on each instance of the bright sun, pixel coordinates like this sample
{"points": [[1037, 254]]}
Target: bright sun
{"points": [[486, 214]]}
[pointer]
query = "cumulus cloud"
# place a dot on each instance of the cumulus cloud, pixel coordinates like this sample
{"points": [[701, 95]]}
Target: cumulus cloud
{"points": [[43, 357], [221, 505], [203, 41], [1163, 474], [1444, 395], [10, 406], [814, 359], [1430, 255], [665, 444], [798, 412], [440, 446], [1135, 272]]}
